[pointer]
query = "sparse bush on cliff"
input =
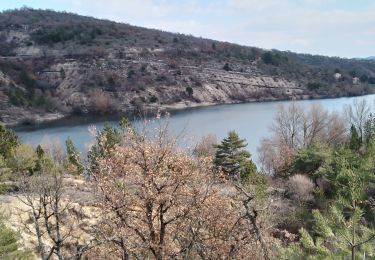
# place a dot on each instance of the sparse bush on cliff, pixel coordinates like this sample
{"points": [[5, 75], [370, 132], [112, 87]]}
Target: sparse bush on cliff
{"points": [[101, 102]]}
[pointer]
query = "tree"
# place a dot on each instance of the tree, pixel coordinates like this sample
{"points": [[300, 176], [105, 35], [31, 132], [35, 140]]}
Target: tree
{"points": [[5, 171], [105, 141], [49, 215], [295, 128], [10, 246], [355, 141], [101, 102], [232, 158], [8, 141], [273, 58], [230, 155], [226, 67], [160, 203], [336, 236], [310, 162], [357, 114], [206, 146], [62, 73], [343, 231], [364, 78], [23, 160], [189, 91], [73, 161]]}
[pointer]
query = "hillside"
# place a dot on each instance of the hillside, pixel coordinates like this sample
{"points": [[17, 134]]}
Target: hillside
{"points": [[53, 64]]}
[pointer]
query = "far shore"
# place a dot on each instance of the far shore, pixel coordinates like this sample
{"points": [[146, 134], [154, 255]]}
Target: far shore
{"points": [[44, 120]]}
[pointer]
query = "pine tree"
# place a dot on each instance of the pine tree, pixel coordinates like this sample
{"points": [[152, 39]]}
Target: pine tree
{"points": [[226, 67], [369, 129], [335, 236], [105, 141], [355, 140], [342, 232], [8, 141], [310, 161], [73, 162], [232, 158], [9, 246]]}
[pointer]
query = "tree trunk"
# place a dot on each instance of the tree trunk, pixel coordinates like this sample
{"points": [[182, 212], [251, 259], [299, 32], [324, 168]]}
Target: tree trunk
{"points": [[353, 252]]}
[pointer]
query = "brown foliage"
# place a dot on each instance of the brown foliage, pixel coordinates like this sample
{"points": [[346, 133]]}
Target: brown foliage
{"points": [[301, 188], [101, 102], [161, 203]]}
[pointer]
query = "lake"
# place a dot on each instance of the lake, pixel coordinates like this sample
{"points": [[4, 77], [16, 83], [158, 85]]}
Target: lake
{"points": [[250, 120]]}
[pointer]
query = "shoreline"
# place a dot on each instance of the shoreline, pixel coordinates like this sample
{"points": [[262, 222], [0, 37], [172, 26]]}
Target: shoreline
{"points": [[39, 120]]}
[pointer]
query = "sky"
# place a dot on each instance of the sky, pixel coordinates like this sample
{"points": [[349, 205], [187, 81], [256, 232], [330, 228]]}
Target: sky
{"points": [[344, 28]]}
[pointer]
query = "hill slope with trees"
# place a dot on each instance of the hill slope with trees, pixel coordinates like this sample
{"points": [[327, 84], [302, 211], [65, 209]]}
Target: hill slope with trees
{"points": [[53, 64]]}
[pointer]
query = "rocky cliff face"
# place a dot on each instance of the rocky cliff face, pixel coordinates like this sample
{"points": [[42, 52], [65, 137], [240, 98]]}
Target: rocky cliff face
{"points": [[54, 64]]}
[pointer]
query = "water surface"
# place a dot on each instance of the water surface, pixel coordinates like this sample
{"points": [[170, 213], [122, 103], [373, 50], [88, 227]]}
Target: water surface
{"points": [[250, 120]]}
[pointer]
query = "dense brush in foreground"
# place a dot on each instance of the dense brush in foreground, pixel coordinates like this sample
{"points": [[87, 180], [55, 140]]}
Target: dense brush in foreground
{"points": [[137, 195]]}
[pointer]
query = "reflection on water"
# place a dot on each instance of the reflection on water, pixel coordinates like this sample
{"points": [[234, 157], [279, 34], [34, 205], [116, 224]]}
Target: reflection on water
{"points": [[250, 120]]}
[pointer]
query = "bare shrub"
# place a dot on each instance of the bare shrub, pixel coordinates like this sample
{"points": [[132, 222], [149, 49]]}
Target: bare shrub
{"points": [[53, 149], [206, 146], [301, 188], [101, 102], [274, 156]]}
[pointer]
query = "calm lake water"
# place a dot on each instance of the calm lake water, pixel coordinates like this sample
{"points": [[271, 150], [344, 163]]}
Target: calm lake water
{"points": [[250, 120]]}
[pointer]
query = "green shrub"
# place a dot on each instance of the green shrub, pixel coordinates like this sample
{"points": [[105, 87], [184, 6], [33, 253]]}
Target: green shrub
{"points": [[8, 141], [189, 91], [227, 67], [153, 99], [275, 59], [314, 86], [9, 245]]}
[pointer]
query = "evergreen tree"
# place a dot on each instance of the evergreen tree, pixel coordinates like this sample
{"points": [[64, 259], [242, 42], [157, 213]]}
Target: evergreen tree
{"points": [[5, 171], [311, 162], [335, 236], [232, 158], [8, 140], [62, 73], [369, 129], [23, 160], [343, 232], [9, 246], [40, 155], [355, 140], [105, 141], [73, 161], [226, 67]]}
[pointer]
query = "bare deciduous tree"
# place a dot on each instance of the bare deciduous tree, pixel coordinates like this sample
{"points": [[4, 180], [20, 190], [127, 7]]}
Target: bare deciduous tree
{"points": [[161, 203], [46, 213], [206, 146], [295, 128], [357, 114]]}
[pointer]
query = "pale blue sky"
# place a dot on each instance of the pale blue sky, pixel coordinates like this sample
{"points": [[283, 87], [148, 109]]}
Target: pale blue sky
{"points": [[343, 28]]}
